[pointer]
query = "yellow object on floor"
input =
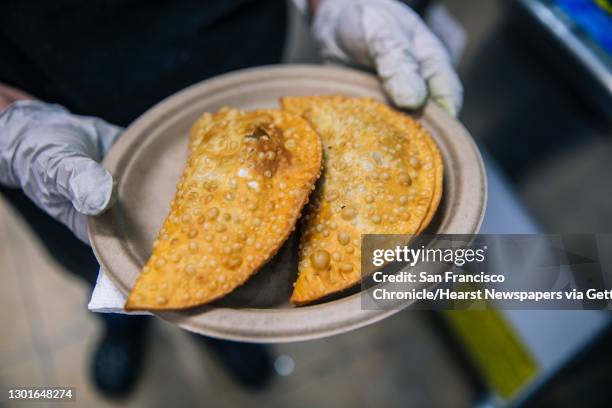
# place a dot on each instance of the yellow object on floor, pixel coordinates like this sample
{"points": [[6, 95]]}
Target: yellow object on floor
{"points": [[499, 353], [605, 4]]}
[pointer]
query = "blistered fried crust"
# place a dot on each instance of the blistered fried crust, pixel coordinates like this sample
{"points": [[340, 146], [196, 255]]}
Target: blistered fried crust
{"points": [[382, 175], [247, 178], [439, 177]]}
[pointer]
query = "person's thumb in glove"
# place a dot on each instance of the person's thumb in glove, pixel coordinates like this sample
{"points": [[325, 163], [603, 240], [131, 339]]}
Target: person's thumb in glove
{"points": [[54, 157], [87, 189]]}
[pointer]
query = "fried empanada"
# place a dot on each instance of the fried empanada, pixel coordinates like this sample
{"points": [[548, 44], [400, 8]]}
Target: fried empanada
{"points": [[382, 174], [247, 178]]}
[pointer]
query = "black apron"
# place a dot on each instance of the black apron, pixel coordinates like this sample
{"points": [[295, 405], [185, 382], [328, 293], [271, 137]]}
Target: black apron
{"points": [[116, 58]]}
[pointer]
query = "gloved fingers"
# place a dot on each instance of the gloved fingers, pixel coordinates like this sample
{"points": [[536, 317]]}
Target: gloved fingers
{"points": [[436, 67], [90, 192], [85, 183], [401, 82], [74, 220], [446, 89], [391, 49], [90, 187], [107, 133], [325, 26], [58, 159], [58, 172], [54, 157]]}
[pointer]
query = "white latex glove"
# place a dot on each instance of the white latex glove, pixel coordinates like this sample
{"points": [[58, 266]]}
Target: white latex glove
{"points": [[54, 157], [389, 37]]}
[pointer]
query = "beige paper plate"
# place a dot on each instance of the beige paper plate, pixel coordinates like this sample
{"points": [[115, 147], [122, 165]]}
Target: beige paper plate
{"points": [[150, 155]]}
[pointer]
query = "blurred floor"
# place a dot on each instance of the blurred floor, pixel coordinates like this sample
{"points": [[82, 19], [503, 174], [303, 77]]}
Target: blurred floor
{"points": [[571, 191]]}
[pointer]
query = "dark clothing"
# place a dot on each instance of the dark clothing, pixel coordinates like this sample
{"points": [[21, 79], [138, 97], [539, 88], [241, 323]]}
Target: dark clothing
{"points": [[116, 58], [63, 245]]}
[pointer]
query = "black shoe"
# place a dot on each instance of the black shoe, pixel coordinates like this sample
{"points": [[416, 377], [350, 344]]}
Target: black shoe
{"points": [[249, 364], [120, 354]]}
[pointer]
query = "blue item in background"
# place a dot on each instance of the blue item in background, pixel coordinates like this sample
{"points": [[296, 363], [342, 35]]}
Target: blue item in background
{"points": [[591, 18]]}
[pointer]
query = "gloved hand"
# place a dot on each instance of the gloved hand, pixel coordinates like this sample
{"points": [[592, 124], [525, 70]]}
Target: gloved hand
{"points": [[54, 157], [389, 37]]}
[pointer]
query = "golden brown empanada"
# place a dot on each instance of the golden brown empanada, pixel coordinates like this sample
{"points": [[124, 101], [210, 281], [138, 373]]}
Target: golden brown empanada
{"points": [[382, 174], [247, 178]]}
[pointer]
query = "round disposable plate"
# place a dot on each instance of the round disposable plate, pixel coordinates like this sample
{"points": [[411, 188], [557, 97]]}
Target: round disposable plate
{"points": [[150, 155]]}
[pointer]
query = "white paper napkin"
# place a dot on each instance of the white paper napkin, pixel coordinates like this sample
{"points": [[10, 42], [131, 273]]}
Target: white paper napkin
{"points": [[107, 298]]}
